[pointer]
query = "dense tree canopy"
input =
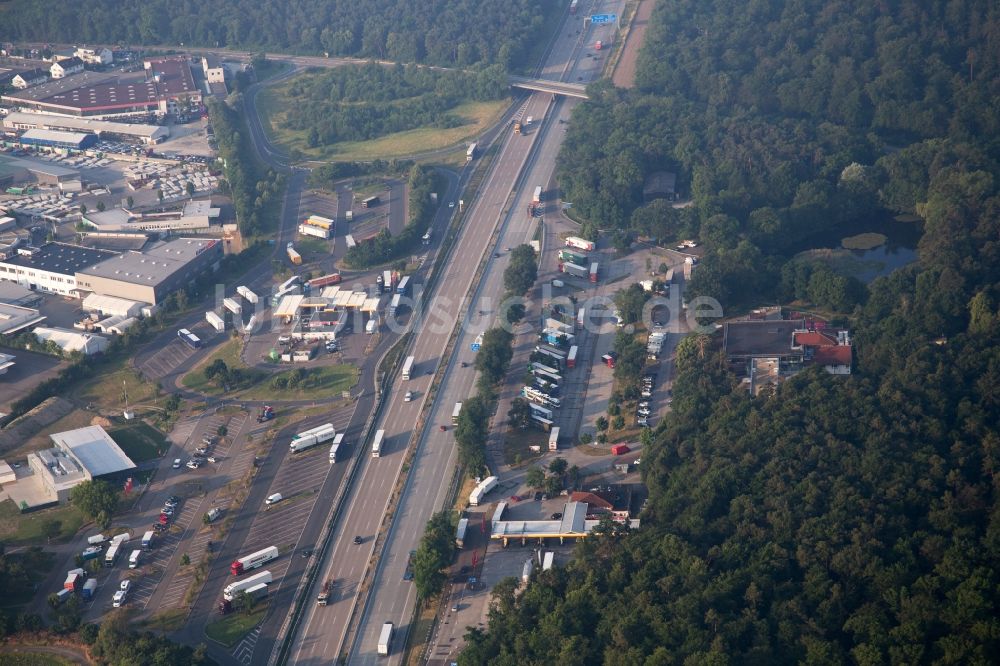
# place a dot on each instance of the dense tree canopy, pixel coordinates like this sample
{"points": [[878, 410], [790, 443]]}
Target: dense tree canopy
{"points": [[443, 32], [835, 519], [360, 103], [782, 121]]}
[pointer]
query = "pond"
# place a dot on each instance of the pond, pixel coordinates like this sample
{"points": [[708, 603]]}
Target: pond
{"points": [[898, 249]]}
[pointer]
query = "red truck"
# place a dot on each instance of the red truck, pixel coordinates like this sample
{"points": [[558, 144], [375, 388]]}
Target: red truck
{"points": [[619, 449]]}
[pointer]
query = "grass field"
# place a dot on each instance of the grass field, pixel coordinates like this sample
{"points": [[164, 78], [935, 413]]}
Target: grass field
{"points": [[321, 383], [37, 564], [229, 352], [477, 116], [140, 442], [105, 391], [234, 626], [18, 528]]}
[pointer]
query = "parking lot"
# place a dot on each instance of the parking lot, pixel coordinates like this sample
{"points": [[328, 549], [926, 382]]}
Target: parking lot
{"points": [[175, 353], [298, 480], [184, 527], [30, 369]]}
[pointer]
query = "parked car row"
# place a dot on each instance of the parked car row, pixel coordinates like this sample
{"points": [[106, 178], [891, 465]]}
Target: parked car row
{"points": [[643, 411]]}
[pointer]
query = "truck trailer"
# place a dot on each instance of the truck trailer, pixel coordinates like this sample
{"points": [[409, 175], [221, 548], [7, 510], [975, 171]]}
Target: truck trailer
{"points": [[232, 305], [253, 560], [485, 486], [232, 589], [537, 196], [335, 447], [575, 270], [580, 243], [312, 437], [147, 540], [294, 256], [247, 294], [385, 640], [216, 322]]}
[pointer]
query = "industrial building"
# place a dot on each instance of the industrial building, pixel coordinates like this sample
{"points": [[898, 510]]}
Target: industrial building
{"points": [[77, 455], [12, 293], [112, 306], [51, 268], [71, 341], [55, 139], [17, 171], [195, 215], [165, 83], [213, 69], [151, 275], [15, 318], [104, 129]]}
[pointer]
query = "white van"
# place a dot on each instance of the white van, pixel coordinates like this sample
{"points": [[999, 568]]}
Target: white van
{"points": [[274, 499]]}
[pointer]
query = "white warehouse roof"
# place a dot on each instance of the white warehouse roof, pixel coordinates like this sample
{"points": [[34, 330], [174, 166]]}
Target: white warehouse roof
{"points": [[19, 120], [112, 305], [95, 450], [70, 340]]}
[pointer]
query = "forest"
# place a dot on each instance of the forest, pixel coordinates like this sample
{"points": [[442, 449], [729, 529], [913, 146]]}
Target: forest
{"points": [[783, 121], [360, 103], [834, 520], [442, 32]]}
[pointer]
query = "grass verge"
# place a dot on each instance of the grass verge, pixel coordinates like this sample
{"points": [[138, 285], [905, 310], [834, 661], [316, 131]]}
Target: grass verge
{"points": [[231, 628], [18, 528], [32, 659], [168, 620], [318, 383]]}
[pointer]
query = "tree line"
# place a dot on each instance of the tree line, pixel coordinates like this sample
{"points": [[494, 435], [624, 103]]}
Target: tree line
{"points": [[369, 101], [443, 32], [253, 192]]}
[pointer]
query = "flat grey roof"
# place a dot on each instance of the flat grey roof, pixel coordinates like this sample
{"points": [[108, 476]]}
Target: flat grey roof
{"points": [[95, 450], [61, 86], [759, 338], [151, 266], [47, 168], [48, 120], [61, 258], [54, 135]]}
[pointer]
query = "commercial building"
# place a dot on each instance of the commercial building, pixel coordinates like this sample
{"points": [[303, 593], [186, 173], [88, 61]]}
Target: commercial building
{"points": [[98, 56], [105, 129], [112, 306], [51, 268], [160, 88], [151, 275], [213, 69], [15, 318], [77, 455], [31, 77], [767, 351], [63, 68], [194, 216], [70, 341], [55, 139], [12, 293], [18, 170], [574, 524]]}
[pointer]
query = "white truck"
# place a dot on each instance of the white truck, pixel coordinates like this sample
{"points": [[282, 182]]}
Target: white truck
{"points": [[385, 640], [216, 322], [247, 294], [485, 486], [231, 590], [232, 305], [253, 560], [312, 437], [133, 559], [335, 447]]}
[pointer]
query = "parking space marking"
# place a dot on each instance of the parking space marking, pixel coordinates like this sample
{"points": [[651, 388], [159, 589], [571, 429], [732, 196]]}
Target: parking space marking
{"points": [[244, 651]]}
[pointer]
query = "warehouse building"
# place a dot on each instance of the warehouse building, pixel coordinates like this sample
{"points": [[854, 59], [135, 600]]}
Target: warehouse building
{"points": [[51, 268], [71, 341], [194, 216], [151, 275], [104, 129], [77, 455], [112, 306], [165, 83], [42, 138], [19, 170], [15, 318]]}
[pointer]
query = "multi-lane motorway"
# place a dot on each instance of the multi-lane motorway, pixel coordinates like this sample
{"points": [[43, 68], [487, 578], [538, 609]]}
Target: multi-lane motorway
{"points": [[325, 632]]}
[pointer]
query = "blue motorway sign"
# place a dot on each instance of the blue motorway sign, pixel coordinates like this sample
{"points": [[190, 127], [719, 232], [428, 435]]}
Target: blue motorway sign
{"points": [[600, 19]]}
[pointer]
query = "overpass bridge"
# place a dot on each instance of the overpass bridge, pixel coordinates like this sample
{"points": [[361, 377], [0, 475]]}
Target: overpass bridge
{"points": [[554, 87]]}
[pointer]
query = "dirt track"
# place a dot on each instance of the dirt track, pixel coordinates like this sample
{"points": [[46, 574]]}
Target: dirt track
{"points": [[624, 76]]}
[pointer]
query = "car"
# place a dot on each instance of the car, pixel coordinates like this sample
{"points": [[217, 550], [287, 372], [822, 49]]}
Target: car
{"points": [[125, 585], [167, 511], [307, 552], [284, 339], [118, 600], [451, 204], [556, 516], [201, 451], [454, 608], [545, 496], [646, 394], [358, 540], [496, 254], [644, 403], [408, 397], [637, 462], [643, 412], [273, 499], [177, 463], [443, 428], [642, 420], [174, 498], [538, 495], [213, 459], [15, 465]]}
